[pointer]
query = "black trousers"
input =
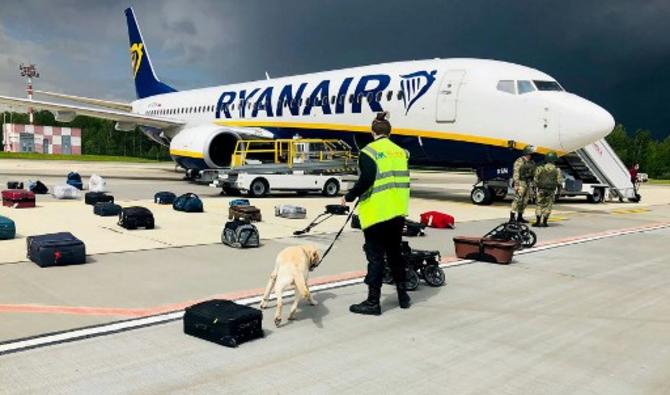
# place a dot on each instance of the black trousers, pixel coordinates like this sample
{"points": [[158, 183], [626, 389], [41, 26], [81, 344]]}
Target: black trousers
{"points": [[382, 241]]}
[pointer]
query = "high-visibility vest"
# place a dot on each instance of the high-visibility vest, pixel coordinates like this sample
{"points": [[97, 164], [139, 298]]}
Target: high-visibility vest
{"points": [[389, 195]]}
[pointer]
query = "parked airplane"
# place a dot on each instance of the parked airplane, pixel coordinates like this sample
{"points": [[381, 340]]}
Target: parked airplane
{"points": [[450, 112]]}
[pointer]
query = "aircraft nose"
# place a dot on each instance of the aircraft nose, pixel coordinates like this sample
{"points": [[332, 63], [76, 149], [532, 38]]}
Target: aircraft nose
{"points": [[582, 123]]}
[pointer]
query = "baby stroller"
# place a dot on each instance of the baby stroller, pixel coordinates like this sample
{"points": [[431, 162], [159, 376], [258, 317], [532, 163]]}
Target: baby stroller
{"points": [[516, 231], [421, 264]]}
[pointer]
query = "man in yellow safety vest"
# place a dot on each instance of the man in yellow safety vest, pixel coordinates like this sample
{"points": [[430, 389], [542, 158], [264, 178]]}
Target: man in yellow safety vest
{"points": [[383, 193]]}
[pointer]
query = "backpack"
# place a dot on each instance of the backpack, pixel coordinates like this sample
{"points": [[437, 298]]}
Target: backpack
{"points": [[164, 197], [240, 234], [546, 178], [189, 203], [74, 179], [97, 184], [436, 219], [527, 170]]}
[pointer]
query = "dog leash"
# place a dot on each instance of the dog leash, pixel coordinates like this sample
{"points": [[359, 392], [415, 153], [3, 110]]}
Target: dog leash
{"points": [[337, 236]]}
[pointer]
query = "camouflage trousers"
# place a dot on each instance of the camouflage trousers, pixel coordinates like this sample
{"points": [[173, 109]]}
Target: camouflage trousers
{"points": [[545, 202], [521, 197]]}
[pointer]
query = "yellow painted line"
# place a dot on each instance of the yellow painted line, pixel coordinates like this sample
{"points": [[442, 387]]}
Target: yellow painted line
{"points": [[398, 131], [557, 219], [188, 154], [630, 211]]}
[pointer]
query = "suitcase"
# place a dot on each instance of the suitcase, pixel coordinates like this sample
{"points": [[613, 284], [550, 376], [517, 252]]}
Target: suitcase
{"points": [[290, 211], [97, 197], [248, 213], [38, 188], [164, 197], [56, 249], [239, 202], [65, 192], [240, 234], [7, 228], [136, 217], [223, 322], [436, 219], [18, 198], [106, 209], [485, 249], [14, 185]]}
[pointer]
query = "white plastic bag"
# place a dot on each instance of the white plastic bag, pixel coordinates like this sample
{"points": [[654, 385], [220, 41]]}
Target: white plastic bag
{"points": [[65, 192], [97, 184]]}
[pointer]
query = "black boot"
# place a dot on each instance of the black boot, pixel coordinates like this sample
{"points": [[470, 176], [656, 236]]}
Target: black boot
{"points": [[544, 221], [369, 306], [403, 297], [512, 218], [520, 219], [538, 221]]}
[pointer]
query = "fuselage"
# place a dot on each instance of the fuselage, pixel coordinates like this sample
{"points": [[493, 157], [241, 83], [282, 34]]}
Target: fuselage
{"points": [[458, 112]]}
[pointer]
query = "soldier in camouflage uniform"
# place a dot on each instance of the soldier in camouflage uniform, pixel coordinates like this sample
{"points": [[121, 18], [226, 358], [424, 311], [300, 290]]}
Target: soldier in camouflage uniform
{"points": [[522, 177], [547, 179]]}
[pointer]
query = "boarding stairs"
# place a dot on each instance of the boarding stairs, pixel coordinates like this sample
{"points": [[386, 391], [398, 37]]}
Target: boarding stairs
{"points": [[597, 163]]}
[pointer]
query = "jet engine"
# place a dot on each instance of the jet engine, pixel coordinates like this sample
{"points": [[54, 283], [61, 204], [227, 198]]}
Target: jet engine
{"points": [[210, 146]]}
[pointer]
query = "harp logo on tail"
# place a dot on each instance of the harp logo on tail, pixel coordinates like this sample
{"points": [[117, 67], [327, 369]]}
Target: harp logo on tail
{"points": [[136, 55], [414, 86]]}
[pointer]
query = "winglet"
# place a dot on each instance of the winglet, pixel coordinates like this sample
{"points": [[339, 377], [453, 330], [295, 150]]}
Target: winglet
{"points": [[146, 82]]}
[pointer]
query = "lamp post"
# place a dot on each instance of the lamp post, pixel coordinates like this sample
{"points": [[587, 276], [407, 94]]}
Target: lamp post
{"points": [[30, 72]]}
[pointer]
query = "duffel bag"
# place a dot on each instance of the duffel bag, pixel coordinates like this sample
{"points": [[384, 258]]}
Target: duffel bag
{"points": [[97, 197], [65, 192], [106, 209], [7, 228], [136, 217], [223, 322], [240, 234], [436, 219], [164, 197], [290, 211], [38, 187], [97, 184], [189, 203], [56, 249]]}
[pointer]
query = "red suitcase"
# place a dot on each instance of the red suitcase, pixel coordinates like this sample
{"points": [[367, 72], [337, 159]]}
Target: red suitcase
{"points": [[18, 198], [485, 249]]}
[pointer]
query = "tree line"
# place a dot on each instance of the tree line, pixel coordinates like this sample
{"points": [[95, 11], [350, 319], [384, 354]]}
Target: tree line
{"points": [[98, 136], [652, 154]]}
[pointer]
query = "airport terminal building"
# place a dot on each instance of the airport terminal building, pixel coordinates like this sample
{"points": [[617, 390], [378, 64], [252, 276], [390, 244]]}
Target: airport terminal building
{"points": [[41, 139]]}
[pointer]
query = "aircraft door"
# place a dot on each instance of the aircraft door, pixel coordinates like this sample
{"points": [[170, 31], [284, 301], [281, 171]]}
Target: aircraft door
{"points": [[447, 96]]}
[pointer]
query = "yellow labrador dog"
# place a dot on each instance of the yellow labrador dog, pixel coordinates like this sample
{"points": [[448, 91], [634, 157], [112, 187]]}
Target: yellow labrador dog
{"points": [[292, 267]]}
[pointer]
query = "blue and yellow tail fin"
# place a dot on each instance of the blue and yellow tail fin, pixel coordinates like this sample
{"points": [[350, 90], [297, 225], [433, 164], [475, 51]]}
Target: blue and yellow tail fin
{"points": [[146, 82]]}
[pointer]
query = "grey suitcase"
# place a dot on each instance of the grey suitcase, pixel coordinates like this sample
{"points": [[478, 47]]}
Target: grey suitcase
{"points": [[290, 211]]}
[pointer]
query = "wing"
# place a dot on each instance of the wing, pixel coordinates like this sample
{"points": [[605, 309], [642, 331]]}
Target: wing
{"points": [[88, 100], [66, 112]]}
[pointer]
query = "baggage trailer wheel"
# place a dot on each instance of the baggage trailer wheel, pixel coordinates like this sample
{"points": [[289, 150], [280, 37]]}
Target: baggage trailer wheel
{"points": [[481, 196], [259, 187], [434, 275], [331, 188], [597, 196]]}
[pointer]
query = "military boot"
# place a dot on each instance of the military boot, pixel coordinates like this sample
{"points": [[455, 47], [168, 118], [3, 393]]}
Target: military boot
{"points": [[512, 217], [369, 306], [544, 221], [520, 219], [538, 221], [403, 297]]}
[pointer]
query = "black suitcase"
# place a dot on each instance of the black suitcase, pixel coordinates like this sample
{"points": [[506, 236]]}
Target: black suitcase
{"points": [[14, 185], [97, 197], [106, 209], [164, 197], [224, 322], [56, 249], [136, 217]]}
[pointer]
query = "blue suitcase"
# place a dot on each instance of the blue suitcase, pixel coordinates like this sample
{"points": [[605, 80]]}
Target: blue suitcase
{"points": [[7, 228], [56, 249]]}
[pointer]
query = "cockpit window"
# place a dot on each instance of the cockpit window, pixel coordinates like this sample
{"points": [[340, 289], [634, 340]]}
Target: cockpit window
{"points": [[506, 86], [524, 87], [548, 86]]}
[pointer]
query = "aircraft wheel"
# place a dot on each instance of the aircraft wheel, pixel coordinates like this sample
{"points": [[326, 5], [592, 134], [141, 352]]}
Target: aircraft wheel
{"points": [[481, 196]]}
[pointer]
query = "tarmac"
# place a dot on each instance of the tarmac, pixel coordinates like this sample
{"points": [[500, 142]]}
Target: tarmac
{"points": [[583, 312]]}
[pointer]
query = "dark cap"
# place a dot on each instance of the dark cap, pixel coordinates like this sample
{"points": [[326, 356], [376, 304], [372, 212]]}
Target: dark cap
{"points": [[381, 124]]}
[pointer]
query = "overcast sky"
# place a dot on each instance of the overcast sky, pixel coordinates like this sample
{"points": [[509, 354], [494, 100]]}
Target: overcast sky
{"points": [[614, 52]]}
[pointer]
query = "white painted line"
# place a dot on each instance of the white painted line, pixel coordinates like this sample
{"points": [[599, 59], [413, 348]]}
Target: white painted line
{"points": [[122, 326]]}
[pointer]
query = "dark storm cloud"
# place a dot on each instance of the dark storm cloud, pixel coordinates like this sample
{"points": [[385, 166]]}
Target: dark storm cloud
{"points": [[615, 52]]}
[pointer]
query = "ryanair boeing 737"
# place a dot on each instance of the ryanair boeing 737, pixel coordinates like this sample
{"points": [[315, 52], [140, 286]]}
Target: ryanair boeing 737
{"points": [[451, 112]]}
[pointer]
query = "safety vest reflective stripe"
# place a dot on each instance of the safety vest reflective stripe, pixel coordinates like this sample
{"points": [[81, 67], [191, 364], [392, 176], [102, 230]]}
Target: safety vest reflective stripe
{"points": [[392, 173], [383, 188]]}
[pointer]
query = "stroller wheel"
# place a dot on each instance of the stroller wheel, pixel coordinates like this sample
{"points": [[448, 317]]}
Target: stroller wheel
{"points": [[388, 277], [434, 275], [412, 282], [528, 239]]}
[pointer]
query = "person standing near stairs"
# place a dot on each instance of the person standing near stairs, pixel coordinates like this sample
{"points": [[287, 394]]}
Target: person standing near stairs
{"points": [[547, 179], [522, 177]]}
